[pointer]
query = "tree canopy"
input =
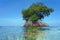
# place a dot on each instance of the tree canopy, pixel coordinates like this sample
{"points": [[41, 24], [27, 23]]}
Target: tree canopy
{"points": [[36, 11]]}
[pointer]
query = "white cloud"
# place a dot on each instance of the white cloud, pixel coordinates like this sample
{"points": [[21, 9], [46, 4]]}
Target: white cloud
{"points": [[11, 22]]}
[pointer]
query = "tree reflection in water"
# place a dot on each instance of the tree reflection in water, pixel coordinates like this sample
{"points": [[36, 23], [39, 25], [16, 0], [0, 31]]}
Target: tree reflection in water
{"points": [[33, 33]]}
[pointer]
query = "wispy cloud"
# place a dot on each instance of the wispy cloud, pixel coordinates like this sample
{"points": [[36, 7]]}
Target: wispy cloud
{"points": [[11, 22]]}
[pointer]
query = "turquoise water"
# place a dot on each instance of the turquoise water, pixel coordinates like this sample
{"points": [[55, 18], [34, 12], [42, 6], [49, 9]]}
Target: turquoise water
{"points": [[18, 33]]}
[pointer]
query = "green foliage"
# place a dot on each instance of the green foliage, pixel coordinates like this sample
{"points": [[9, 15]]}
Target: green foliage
{"points": [[33, 18], [36, 11]]}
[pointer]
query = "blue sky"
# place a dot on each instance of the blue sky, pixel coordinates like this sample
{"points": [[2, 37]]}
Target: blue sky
{"points": [[10, 12]]}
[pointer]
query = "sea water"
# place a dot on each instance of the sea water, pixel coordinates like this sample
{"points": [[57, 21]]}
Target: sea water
{"points": [[17, 33]]}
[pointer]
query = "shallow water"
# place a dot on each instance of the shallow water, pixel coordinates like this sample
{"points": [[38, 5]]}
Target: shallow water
{"points": [[20, 33]]}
